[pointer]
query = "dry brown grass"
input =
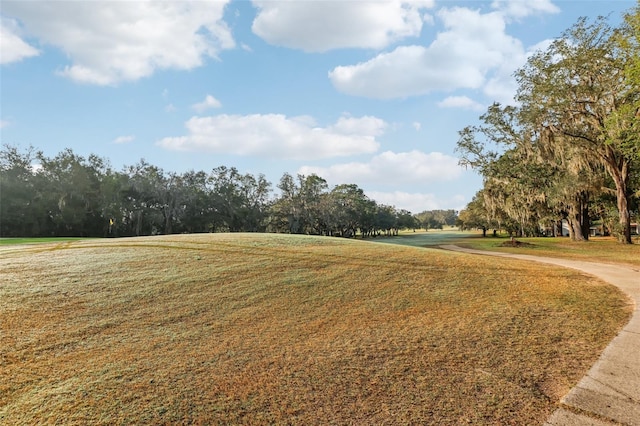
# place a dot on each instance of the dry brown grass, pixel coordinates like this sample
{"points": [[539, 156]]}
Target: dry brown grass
{"points": [[269, 329]]}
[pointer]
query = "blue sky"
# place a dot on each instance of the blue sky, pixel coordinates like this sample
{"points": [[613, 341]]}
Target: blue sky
{"points": [[364, 92]]}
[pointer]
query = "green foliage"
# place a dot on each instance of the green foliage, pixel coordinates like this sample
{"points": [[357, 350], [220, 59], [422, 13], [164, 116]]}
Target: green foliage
{"points": [[574, 132], [437, 219], [69, 195]]}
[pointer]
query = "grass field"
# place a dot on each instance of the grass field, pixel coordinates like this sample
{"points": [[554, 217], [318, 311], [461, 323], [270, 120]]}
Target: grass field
{"points": [[273, 329], [597, 249], [13, 241]]}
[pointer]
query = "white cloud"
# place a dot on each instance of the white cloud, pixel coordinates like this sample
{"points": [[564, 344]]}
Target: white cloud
{"points": [[4, 123], [416, 125], [278, 136], [113, 41], [319, 26], [417, 202], [472, 45], [462, 102], [473, 52], [124, 139], [523, 8], [209, 102], [170, 108], [12, 47], [502, 86], [389, 168]]}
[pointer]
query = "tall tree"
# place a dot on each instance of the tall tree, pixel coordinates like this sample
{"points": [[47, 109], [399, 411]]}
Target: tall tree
{"points": [[520, 181], [577, 96]]}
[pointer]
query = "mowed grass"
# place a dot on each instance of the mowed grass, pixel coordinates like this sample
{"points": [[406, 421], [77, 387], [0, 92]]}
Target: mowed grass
{"points": [[272, 329], [597, 249], [7, 241]]}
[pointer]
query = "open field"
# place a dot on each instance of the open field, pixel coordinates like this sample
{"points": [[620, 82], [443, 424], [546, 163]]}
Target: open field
{"points": [[264, 329]]}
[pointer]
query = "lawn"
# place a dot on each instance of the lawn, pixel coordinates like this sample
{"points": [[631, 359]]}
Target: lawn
{"points": [[597, 249], [274, 329], [12, 241]]}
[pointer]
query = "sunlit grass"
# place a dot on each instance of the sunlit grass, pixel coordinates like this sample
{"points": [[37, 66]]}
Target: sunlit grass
{"points": [[7, 241], [598, 249], [264, 329]]}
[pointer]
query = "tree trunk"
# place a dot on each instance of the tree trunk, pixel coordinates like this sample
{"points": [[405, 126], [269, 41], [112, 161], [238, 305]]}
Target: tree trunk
{"points": [[578, 217], [625, 217], [585, 219], [575, 226], [619, 172]]}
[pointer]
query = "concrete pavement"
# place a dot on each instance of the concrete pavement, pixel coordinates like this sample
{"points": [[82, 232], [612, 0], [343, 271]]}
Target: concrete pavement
{"points": [[610, 392]]}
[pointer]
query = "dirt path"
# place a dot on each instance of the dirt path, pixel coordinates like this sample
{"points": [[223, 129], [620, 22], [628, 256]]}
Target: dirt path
{"points": [[610, 392]]}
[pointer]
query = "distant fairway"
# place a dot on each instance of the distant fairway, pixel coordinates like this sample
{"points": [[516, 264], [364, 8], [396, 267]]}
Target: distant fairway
{"points": [[276, 329]]}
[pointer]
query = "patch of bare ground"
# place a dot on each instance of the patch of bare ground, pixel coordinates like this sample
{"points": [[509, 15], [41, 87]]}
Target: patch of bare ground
{"points": [[270, 329], [516, 243]]}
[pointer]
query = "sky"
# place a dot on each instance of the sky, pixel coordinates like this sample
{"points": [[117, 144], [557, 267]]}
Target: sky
{"points": [[371, 93]]}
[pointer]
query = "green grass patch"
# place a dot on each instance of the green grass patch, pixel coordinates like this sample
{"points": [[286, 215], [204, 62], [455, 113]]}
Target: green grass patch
{"points": [[275, 329], [8, 241], [597, 249]]}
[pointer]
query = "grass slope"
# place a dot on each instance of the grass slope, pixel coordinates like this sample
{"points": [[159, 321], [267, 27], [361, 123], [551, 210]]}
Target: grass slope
{"points": [[272, 329]]}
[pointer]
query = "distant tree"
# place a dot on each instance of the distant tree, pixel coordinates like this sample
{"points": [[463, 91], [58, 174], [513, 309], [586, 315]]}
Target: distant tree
{"points": [[70, 188], [312, 201], [406, 220], [197, 208], [476, 216], [69, 195], [21, 210], [300, 207], [386, 219], [436, 219], [145, 199], [240, 201]]}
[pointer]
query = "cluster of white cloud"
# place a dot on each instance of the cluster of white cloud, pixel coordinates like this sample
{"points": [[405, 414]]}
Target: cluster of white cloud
{"points": [[115, 41], [319, 26], [463, 102], [12, 47], [390, 168], [108, 42], [473, 52], [208, 102], [124, 139], [516, 9], [278, 136]]}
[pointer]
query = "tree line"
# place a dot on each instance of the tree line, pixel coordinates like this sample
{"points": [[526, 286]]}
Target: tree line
{"points": [[570, 148], [69, 195]]}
